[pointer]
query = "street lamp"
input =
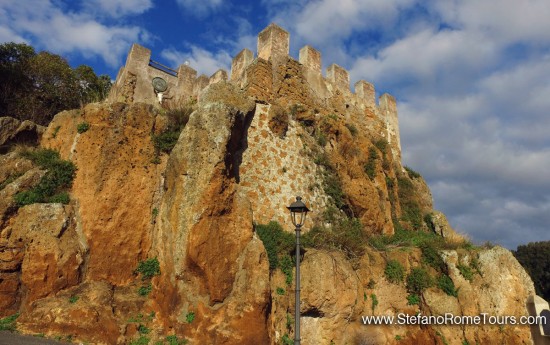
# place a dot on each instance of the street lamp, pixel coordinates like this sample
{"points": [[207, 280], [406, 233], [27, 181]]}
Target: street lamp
{"points": [[298, 213]]}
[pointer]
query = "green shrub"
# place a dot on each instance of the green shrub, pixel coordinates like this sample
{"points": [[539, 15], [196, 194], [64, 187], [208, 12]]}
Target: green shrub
{"points": [[73, 299], [8, 323], [177, 118], [145, 290], [429, 221], [143, 329], [148, 268], [173, 340], [165, 141], [466, 272], [285, 340], [287, 265], [418, 280], [381, 144], [475, 265], [321, 139], [370, 167], [333, 188], [412, 173], [59, 176], [289, 321], [394, 272], [61, 198], [280, 291], [432, 257], [322, 159], [55, 131], [374, 302], [409, 205], [82, 127], [277, 242], [403, 237], [190, 317], [352, 129], [445, 283], [413, 299], [340, 233], [379, 242]]}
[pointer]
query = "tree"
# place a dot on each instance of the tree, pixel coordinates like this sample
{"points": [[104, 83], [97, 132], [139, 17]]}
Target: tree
{"points": [[54, 87], [535, 258], [38, 86], [92, 88], [14, 63]]}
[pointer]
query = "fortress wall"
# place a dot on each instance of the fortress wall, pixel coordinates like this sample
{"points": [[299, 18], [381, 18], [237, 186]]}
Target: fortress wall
{"points": [[218, 76], [200, 83], [258, 80], [339, 77], [273, 43], [186, 80], [257, 77], [239, 64], [310, 58], [365, 91], [273, 171], [134, 81], [388, 112]]}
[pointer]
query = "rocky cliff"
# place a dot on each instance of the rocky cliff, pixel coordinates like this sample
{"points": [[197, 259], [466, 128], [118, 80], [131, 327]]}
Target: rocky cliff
{"points": [[159, 244]]}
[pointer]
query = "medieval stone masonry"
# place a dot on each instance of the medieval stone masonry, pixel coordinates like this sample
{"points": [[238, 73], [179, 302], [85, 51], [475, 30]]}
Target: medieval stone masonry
{"points": [[133, 83]]}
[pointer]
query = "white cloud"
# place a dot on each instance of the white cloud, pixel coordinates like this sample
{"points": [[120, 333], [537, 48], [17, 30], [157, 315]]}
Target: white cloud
{"points": [[200, 8], [52, 28], [119, 8], [421, 58], [201, 60], [503, 20], [320, 22], [7, 35]]}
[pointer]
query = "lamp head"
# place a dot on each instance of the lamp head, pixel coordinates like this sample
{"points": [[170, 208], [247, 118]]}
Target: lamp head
{"points": [[298, 212]]}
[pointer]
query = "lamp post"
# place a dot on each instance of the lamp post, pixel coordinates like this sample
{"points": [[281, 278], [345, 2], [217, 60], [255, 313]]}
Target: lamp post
{"points": [[298, 213]]}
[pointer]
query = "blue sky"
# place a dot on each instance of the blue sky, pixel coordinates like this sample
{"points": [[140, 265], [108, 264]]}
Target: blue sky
{"points": [[472, 79]]}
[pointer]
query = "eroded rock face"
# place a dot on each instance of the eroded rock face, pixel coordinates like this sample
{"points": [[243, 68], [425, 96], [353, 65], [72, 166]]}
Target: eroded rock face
{"points": [[497, 270], [211, 264], [330, 288], [41, 254], [205, 223], [442, 227], [13, 131], [90, 318], [194, 212], [115, 184]]}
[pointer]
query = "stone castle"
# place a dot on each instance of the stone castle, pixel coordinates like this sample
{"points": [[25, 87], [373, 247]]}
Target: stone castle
{"points": [[133, 82], [273, 128]]}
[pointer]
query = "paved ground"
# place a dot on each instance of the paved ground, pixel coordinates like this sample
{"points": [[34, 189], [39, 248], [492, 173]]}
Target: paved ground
{"points": [[8, 338]]}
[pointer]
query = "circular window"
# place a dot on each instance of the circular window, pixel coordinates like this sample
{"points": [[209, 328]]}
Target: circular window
{"points": [[160, 84]]}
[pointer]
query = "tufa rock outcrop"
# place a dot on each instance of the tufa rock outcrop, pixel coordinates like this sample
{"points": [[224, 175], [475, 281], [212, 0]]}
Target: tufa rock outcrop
{"points": [[189, 197]]}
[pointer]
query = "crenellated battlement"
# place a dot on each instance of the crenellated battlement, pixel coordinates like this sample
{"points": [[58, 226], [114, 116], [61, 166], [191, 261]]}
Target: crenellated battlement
{"points": [[258, 76], [273, 43]]}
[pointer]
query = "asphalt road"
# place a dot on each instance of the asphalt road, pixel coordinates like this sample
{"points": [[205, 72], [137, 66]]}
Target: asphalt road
{"points": [[8, 338]]}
